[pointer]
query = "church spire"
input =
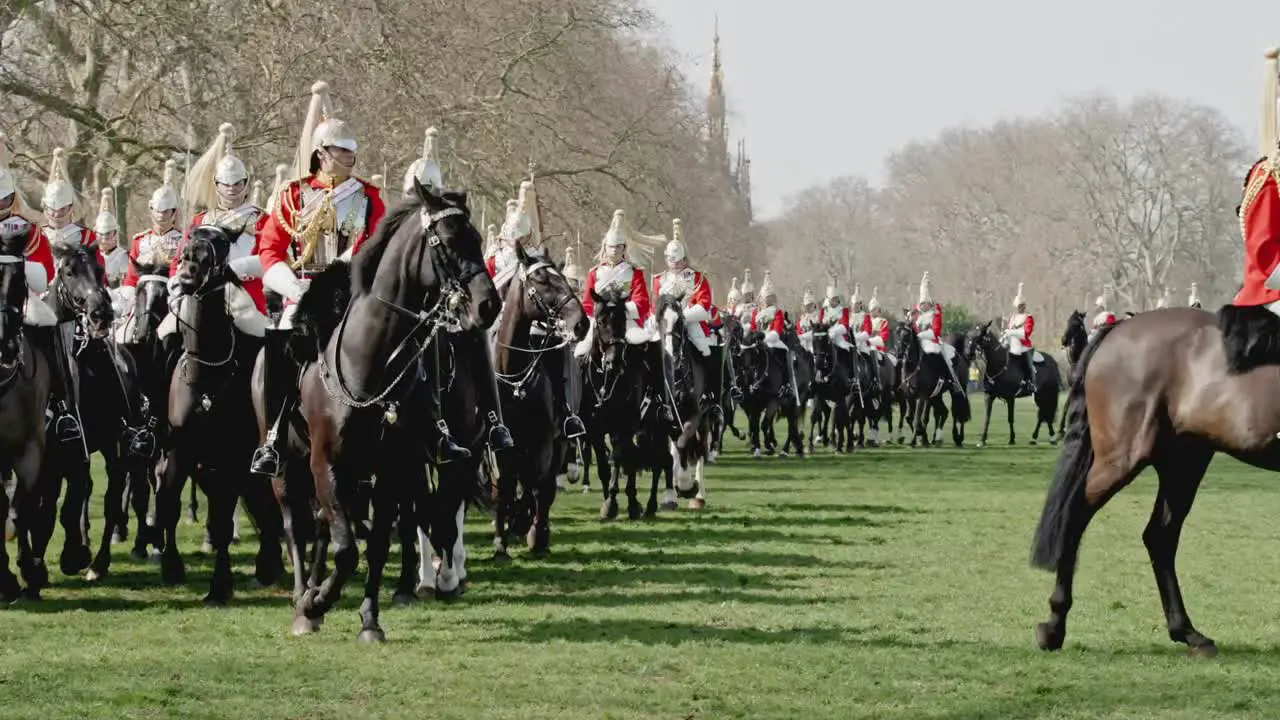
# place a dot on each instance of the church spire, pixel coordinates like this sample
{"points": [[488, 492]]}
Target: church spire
{"points": [[717, 122]]}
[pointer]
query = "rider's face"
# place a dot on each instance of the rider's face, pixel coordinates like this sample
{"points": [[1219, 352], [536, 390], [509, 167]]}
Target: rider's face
{"points": [[58, 218], [337, 161], [230, 196], [163, 220], [107, 241]]}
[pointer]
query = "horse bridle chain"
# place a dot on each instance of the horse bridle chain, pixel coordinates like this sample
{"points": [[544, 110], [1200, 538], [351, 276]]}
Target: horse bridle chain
{"points": [[519, 381]]}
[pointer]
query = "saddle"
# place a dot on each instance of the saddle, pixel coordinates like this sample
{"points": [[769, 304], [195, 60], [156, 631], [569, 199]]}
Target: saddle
{"points": [[1250, 337]]}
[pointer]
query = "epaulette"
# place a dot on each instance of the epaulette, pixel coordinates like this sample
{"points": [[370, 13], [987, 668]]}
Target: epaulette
{"points": [[33, 242]]}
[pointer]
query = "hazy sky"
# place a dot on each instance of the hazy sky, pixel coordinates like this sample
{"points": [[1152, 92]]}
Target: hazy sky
{"points": [[822, 88]]}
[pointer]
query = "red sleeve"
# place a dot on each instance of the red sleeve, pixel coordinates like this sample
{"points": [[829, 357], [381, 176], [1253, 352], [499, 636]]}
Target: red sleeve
{"points": [[1028, 326], [376, 211], [131, 275], [640, 295], [1262, 224], [884, 332], [588, 302], [778, 325], [492, 266], [40, 251], [844, 318], [657, 286], [91, 240], [799, 330], [937, 322], [1111, 318], [822, 315], [866, 323], [701, 292], [273, 241], [754, 311]]}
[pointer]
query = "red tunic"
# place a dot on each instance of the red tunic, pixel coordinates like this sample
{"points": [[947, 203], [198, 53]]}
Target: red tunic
{"points": [[639, 293], [135, 248], [253, 286], [1105, 317], [701, 296], [881, 327], [274, 241], [1261, 224], [844, 316], [936, 325], [1028, 325], [778, 324], [37, 248]]}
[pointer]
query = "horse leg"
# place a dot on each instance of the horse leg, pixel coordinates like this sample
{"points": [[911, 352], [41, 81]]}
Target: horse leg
{"points": [[221, 494], [74, 518], [407, 534], [288, 508], [544, 497], [193, 506], [377, 547], [609, 508], [27, 498], [320, 599], [1180, 473], [793, 430], [699, 501], [115, 515], [939, 419], [10, 590], [753, 429], [504, 506], [635, 510], [988, 400], [169, 511], [265, 513], [140, 480]]}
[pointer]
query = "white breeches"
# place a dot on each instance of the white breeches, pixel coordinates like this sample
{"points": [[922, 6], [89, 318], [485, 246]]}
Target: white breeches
{"points": [[635, 336], [772, 340], [1016, 347], [698, 338], [806, 342], [876, 342], [37, 314], [863, 341], [928, 344]]}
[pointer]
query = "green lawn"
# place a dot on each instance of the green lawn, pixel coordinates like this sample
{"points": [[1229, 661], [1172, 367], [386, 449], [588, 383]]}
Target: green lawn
{"points": [[893, 583]]}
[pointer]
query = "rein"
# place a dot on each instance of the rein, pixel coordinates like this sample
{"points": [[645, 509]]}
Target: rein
{"points": [[520, 380]]}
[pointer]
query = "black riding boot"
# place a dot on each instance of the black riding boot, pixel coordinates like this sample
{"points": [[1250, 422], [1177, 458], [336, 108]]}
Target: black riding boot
{"points": [[489, 402], [446, 450], [280, 395], [1028, 373], [64, 423], [655, 362], [714, 364], [561, 365]]}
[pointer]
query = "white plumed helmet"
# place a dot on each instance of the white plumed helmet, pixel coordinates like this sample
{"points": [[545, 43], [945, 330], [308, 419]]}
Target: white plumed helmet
{"points": [[571, 269], [426, 169], [255, 194], [854, 299], [282, 174], [833, 292], [378, 180], [1269, 139], [874, 303], [808, 298], [58, 192], [926, 292], [216, 166], [617, 234], [675, 251], [1019, 299], [520, 221], [747, 287], [734, 294], [766, 285], [106, 221], [166, 198], [1194, 299]]}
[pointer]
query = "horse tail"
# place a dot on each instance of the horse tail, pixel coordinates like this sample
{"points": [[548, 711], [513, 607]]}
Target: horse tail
{"points": [[1066, 492], [960, 410]]}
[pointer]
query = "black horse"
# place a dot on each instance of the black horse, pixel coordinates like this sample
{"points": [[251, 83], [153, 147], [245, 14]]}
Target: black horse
{"points": [[1002, 378], [690, 377], [108, 399], [212, 430], [364, 402], [24, 392], [832, 383], [923, 386], [1074, 339], [538, 297], [767, 390]]}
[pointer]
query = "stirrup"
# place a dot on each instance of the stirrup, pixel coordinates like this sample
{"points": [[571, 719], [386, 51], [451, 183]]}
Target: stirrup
{"points": [[266, 460], [141, 442], [735, 392], [66, 428], [447, 450], [573, 427], [499, 435]]}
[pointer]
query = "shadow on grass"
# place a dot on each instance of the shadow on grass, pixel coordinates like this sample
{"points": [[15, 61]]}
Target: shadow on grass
{"points": [[653, 598]]}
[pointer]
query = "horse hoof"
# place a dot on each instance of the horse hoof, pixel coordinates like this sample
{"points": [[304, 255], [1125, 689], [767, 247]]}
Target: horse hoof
{"points": [[302, 625], [1032, 442], [73, 560], [1047, 639], [670, 506], [1204, 650], [94, 576], [634, 511], [1053, 441], [586, 489], [216, 600], [402, 599], [118, 537], [980, 444], [372, 635], [501, 557], [697, 504]]}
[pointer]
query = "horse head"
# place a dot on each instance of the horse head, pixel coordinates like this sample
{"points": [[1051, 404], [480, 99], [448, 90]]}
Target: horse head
{"points": [[611, 320], [982, 340], [824, 362], [455, 255], [81, 289], [906, 344], [547, 296], [13, 289], [151, 302], [754, 364], [1076, 335], [202, 266]]}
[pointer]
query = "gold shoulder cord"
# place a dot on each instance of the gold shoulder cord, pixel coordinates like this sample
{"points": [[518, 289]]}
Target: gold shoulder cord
{"points": [[1270, 169], [310, 235]]}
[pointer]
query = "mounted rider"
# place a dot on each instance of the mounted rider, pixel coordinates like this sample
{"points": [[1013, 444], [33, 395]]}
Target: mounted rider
{"points": [[616, 271], [927, 323], [836, 315], [1260, 207], [808, 320], [158, 244], [39, 322], [731, 300], [107, 228], [330, 213], [59, 201], [219, 183], [769, 319], [61, 228], [1101, 316], [1017, 338], [1193, 300], [571, 271], [746, 305], [860, 322], [693, 288], [880, 330]]}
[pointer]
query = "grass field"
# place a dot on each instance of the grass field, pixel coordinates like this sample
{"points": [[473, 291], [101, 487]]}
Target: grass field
{"points": [[893, 583]]}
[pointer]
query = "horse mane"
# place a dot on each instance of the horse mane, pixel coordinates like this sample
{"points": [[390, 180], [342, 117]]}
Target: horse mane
{"points": [[364, 264], [15, 244], [1250, 337], [320, 310]]}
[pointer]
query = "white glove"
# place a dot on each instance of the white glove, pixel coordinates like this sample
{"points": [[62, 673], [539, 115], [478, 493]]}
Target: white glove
{"points": [[279, 278], [121, 298], [696, 314], [633, 311], [246, 268], [346, 254], [37, 277]]}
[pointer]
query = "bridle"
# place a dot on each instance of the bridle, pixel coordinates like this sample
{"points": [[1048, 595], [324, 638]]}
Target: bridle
{"points": [[550, 319]]}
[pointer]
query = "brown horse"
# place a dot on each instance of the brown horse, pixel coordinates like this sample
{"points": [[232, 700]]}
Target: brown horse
{"points": [[1164, 389]]}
